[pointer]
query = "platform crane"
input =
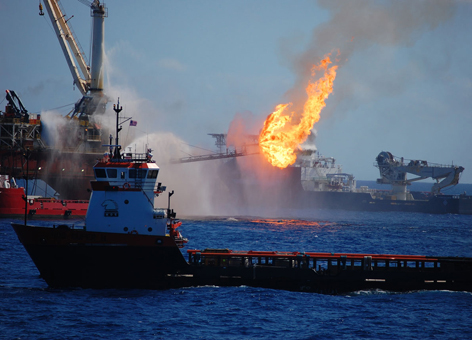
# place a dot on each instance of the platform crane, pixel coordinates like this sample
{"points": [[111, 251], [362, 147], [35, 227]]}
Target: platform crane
{"points": [[15, 107], [88, 79], [394, 170]]}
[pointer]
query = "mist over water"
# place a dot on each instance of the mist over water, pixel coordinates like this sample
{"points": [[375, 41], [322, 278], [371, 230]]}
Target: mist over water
{"points": [[237, 186], [54, 127]]}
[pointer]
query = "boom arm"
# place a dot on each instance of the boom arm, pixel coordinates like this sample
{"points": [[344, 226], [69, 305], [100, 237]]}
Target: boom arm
{"points": [[69, 46], [393, 171], [451, 179], [19, 110]]}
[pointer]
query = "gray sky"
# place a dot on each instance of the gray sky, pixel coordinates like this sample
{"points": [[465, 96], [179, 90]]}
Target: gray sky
{"points": [[404, 82]]}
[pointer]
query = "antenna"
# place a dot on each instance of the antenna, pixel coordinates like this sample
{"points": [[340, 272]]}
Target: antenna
{"points": [[117, 108], [170, 213]]}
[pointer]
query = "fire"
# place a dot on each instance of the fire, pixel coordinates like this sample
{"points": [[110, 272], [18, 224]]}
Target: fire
{"points": [[280, 137]]}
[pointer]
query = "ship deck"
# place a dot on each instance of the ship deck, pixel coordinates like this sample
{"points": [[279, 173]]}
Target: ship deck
{"points": [[334, 272]]}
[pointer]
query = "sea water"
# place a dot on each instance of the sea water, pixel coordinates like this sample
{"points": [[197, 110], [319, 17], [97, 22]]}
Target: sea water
{"points": [[30, 310]]}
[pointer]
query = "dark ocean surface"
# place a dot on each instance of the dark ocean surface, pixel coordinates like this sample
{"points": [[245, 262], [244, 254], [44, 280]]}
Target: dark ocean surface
{"points": [[29, 310]]}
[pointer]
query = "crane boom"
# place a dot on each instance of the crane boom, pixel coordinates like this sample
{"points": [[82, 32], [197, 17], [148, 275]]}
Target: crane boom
{"points": [[394, 171], [70, 47], [88, 78]]}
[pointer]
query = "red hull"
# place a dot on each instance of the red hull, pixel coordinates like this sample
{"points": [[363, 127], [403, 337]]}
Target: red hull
{"points": [[12, 204], [69, 173]]}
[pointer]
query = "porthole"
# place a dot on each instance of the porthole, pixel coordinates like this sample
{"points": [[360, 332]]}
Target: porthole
{"points": [[126, 201]]}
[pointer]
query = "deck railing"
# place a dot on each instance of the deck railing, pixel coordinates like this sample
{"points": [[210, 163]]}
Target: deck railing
{"points": [[319, 262]]}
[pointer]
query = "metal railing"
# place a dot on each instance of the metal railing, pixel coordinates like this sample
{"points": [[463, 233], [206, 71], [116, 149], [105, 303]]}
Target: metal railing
{"points": [[323, 263]]}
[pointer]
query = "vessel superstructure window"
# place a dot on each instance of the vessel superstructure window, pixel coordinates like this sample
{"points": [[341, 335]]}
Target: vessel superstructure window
{"points": [[112, 173], [100, 173], [152, 173], [141, 173], [123, 175], [137, 173]]}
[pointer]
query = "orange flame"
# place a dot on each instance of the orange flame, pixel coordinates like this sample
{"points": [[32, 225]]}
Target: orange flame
{"points": [[279, 139]]}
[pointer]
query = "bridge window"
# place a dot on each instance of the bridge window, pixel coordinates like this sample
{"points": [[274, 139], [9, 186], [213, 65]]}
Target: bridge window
{"points": [[141, 173], [137, 173], [152, 173], [100, 173], [112, 173]]}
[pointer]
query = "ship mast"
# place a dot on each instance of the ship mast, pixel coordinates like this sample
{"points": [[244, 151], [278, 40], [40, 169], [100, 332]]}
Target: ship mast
{"points": [[115, 153], [117, 108]]}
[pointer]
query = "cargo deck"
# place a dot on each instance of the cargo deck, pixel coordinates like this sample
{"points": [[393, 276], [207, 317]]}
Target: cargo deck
{"points": [[330, 272]]}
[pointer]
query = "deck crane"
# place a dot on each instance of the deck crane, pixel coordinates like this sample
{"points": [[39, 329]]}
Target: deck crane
{"points": [[394, 170], [15, 107], [88, 79]]}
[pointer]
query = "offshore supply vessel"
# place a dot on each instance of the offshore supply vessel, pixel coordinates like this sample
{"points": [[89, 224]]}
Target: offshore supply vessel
{"points": [[128, 243], [14, 203]]}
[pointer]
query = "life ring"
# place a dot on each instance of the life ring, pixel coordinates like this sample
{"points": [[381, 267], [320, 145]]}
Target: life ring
{"points": [[126, 186], [134, 232]]}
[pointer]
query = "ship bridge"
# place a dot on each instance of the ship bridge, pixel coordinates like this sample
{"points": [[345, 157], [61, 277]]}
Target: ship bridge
{"points": [[128, 173]]}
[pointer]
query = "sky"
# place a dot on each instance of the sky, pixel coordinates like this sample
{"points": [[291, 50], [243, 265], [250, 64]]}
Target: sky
{"points": [[188, 68]]}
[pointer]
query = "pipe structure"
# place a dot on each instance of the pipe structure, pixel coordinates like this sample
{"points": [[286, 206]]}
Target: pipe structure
{"points": [[98, 12]]}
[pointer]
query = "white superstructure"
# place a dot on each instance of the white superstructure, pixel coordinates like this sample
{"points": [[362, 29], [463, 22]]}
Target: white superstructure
{"points": [[123, 194], [122, 200], [394, 170], [319, 173]]}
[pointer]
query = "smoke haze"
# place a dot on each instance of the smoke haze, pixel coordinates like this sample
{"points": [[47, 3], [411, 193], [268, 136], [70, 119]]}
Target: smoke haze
{"points": [[363, 25], [353, 26], [239, 185]]}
